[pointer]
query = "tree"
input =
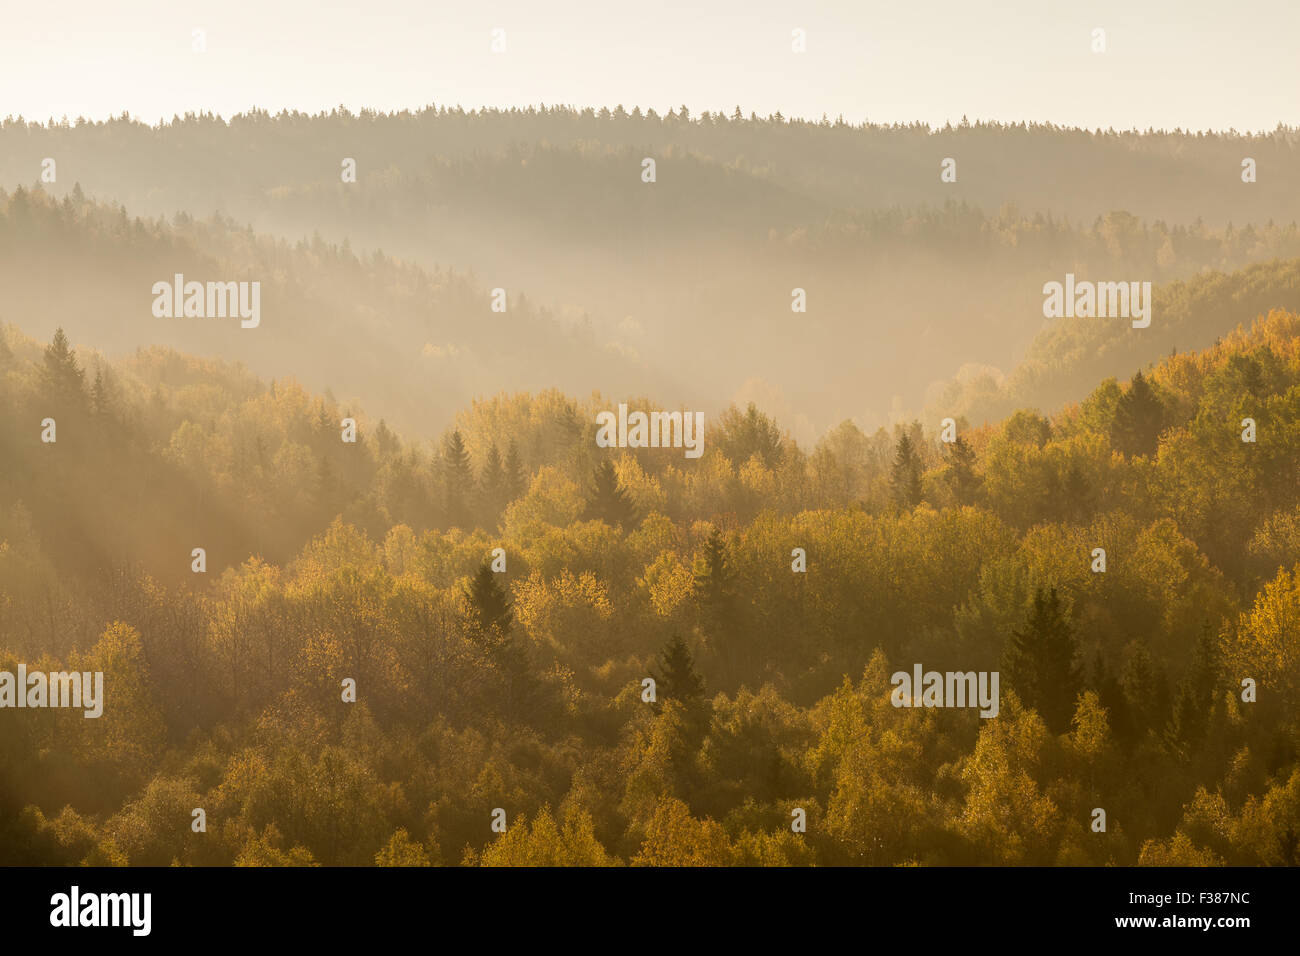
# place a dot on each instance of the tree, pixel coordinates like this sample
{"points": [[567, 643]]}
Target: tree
{"points": [[570, 842], [491, 623], [609, 502], [490, 613], [62, 381], [1195, 701], [1076, 499], [515, 480], [676, 677], [1039, 663], [101, 402], [962, 479], [716, 599], [744, 435], [1145, 690], [457, 479], [401, 850], [1139, 419], [905, 475], [492, 484], [675, 838]]}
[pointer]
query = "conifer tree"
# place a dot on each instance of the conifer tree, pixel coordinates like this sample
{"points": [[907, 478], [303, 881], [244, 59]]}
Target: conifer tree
{"points": [[100, 402], [492, 484], [1039, 663], [962, 478], [457, 479], [515, 480], [1110, 692], [609, 502], [676, 677], [716, 599], [62, 380], [490, 613], [905, 475], [713, 588], [1139, 419], [1146, 691], [491, 622], [1194, 701], [678, 681]]}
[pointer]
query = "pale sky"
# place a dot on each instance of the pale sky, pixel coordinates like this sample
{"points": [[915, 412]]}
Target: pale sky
{"points": [[1200, 64]]}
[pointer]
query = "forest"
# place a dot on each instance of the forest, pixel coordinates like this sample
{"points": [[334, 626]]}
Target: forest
{"points": [[682, 286], [498, 598]]}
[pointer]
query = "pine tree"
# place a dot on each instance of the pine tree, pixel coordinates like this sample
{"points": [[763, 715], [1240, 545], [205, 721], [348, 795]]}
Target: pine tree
{"points": [[100, 400], [63, 382], [676, 677], [457, 479], [715, 597], [490, 614], [905, 475], [1194, 701], [1039, 663], [1146, 691], [1139, 419], [713, 581], [609, 502], [964, 483], [490, 621], [514, 473], [680, 687], [1076, 495], [492, 484], [1111, 695]]}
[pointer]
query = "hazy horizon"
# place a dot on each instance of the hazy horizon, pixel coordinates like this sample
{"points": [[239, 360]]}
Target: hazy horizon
{"points": [[1191, 66]]}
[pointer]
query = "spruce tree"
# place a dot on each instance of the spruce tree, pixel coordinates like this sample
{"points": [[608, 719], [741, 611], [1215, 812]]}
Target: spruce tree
{"points": [[490, 621], [100, 400], [62, 381], [492, 484], [1195, 701], [962, 480], [716, 600], [609, 502], [905, 475], [490, 614], [515, 479], [1039, 663], [1076, 495], [677, 680], [1146, 691], [1139, 419], [457, 479], [676, 677], [1111, 695]]}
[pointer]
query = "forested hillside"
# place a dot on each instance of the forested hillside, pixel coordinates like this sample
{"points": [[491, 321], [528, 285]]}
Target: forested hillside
{"points": [[416, 343], [706, 321], [202, 161], [1069, 356], [522, 690]]}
